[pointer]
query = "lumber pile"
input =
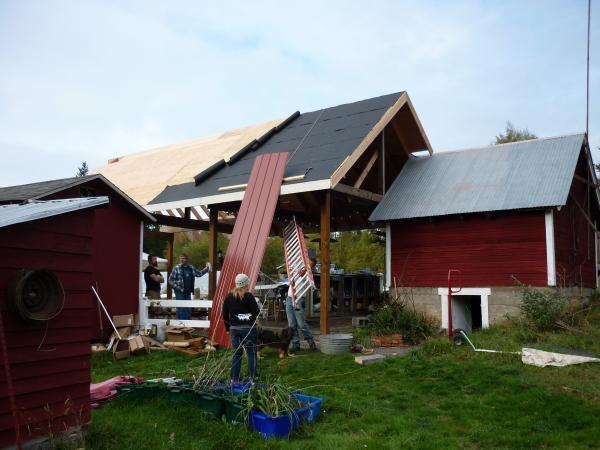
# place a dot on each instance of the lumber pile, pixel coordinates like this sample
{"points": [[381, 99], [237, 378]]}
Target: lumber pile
{"points": [[179, 339]]}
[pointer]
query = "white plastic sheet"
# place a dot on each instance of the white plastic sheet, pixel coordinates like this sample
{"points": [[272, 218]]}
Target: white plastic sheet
{"points": [[541, 358]]}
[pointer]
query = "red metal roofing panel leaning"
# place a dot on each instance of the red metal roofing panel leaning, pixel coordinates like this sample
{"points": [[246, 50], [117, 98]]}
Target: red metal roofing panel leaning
{"points": [[250, 232]]}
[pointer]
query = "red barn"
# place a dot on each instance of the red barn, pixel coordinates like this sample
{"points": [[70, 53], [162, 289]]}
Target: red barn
{"points": [[522, 211], [117, 239], [45, 364]]}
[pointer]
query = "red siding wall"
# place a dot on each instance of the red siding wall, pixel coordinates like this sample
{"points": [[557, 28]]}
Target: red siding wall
{"points": [[489, 249], [116, 255], [574, 238], [45, 378]]}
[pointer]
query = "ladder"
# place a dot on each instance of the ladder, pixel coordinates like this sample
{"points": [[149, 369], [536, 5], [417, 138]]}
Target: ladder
{"points": [[296, 258]]}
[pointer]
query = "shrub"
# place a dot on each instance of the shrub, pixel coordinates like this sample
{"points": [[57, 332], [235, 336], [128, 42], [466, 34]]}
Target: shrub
{"points": [[542, 309], [399, 317]]}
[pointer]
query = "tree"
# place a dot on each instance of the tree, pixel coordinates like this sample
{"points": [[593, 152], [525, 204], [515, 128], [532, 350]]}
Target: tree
{"points": [[151, 245], [355, 250], [83, 170], [196, 247], [512, 134]]}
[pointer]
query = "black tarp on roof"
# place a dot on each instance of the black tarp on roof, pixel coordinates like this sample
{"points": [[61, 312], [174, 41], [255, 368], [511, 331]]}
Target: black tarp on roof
{"points": [[317, 141], [34, 190]]}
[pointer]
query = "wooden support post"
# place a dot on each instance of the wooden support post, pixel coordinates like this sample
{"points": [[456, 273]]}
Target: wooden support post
{"points": [[325, 260], [169, 267], [212, 251]]}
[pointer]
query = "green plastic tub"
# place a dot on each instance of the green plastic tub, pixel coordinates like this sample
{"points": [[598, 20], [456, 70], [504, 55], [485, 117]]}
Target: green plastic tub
{"points": [[233, 410], [210, 403]]}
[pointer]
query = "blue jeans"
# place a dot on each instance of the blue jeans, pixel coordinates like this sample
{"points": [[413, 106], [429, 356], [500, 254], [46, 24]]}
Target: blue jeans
{"points": [[296, 321], [183, 313], [243, 338]]}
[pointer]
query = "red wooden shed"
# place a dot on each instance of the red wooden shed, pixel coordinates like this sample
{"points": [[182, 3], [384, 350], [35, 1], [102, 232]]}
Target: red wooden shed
{"points": [[117, 240], [523, 211], [45, 364]]}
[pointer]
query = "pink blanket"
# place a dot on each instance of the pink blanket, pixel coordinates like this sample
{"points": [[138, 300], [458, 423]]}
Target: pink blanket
{"points": [[101, 392]]}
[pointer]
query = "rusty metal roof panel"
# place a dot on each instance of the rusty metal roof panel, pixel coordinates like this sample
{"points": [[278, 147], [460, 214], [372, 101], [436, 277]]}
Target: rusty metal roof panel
{"points": [[528, 174]]}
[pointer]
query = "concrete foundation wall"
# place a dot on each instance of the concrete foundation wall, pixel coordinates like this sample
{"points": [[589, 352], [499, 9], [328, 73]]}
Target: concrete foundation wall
{"points": [[502, 301]]}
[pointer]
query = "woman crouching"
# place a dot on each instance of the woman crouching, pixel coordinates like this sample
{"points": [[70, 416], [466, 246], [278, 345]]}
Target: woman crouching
{"points": [[240, 311]]}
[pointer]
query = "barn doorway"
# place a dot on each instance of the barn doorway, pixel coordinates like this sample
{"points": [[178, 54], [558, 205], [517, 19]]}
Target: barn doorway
{"points": [[466, 312], [469, 308]]}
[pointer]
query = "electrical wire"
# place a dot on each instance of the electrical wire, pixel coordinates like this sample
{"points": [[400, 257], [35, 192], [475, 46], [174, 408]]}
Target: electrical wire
{"points": [[305, 135]]}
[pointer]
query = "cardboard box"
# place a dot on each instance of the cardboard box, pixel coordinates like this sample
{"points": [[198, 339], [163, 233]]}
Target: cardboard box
{"points": [[137, 345], [181, 334], [127, 320], [124, 332], [120, 349]]}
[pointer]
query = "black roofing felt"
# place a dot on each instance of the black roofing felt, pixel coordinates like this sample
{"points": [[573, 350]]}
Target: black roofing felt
{"points": [[34, 190], [317, 141]]}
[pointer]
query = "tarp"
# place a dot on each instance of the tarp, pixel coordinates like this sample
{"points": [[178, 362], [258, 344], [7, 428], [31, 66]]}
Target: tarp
{"points": [[101, 392], [541, 358]]}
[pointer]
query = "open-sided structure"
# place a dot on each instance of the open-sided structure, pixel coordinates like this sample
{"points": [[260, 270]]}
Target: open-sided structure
{"points": [[341, 161]]}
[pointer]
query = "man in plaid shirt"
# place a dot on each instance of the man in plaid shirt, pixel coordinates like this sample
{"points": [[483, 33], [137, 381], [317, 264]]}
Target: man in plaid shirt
{"points": [[182, 279]]}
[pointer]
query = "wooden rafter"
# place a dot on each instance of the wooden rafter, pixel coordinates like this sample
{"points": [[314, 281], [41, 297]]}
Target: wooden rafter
{"points": [[190, 224], [347, 164], [196, 214], [345, 189], [583, 211], [419, 125], [400, 136], [585, 181], [366, 170]]}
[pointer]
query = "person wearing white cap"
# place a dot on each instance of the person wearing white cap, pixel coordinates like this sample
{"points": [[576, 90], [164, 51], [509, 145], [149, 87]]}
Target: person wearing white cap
{"points": [[240, 312]]}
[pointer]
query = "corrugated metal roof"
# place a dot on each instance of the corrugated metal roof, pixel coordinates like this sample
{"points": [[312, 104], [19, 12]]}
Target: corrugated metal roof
{"points": [[528, 174], [43, 189], [318, 142], [13, 214]]}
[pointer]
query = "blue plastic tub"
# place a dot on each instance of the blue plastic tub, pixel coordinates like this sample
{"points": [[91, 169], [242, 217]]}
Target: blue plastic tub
{"points": [[242, 388], [312, 407], [268, 427]]}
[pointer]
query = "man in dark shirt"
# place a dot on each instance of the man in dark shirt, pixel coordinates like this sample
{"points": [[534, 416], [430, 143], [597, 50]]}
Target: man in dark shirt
{"points": [[153, 278]]}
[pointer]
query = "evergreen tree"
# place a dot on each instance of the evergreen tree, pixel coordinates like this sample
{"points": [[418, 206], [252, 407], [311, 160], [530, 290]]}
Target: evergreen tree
{"points": [[83, 170], [512, 134]]}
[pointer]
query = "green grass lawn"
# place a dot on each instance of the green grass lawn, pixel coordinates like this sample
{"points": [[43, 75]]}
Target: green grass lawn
{"points": [[437, 397]]}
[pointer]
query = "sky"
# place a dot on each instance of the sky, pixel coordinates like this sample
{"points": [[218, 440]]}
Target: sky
{"points": [[90, 80]]}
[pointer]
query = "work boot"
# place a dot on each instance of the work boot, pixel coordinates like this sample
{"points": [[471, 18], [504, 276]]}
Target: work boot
{"points": [[312, 345]]}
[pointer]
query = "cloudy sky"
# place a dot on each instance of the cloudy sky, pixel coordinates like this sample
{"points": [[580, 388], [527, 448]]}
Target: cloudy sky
{"points": [[90, 80]]}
